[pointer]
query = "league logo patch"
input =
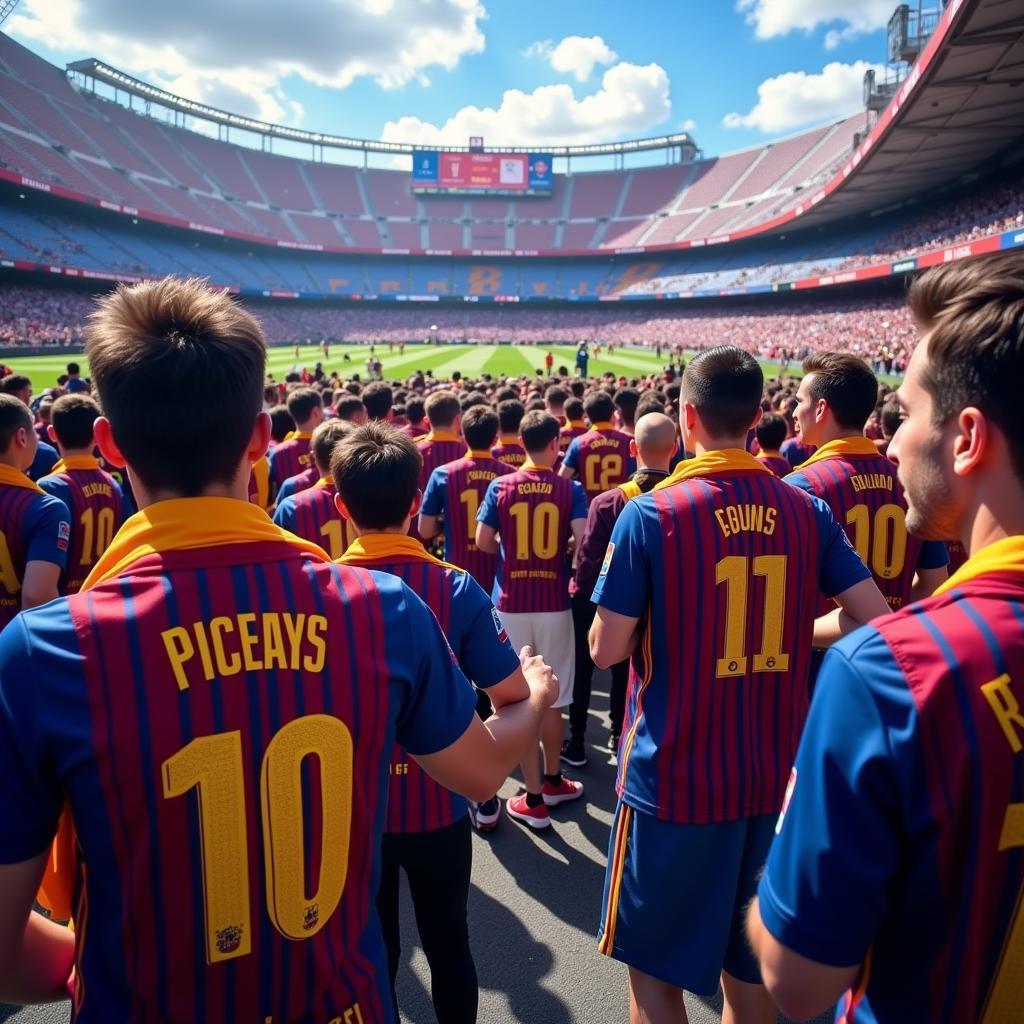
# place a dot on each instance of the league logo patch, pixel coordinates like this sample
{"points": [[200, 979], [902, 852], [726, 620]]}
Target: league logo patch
{"points": [[499, 628], [311, 917], [607, 563], [63, 536], [229, 939], [790, 786]]}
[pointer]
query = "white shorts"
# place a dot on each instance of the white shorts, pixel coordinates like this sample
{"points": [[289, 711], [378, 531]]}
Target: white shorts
{"points": [[550, 634]]}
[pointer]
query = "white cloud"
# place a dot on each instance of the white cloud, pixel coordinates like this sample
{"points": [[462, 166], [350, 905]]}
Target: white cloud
{"points": [[772, 18], [798, 98], [573, 55], [631, 99], [243, 49], [689, 125]]}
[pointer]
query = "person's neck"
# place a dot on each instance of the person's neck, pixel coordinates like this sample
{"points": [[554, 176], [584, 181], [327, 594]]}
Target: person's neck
{"points": [[995, 516], [144, 497], [541, 459], [771, 453], [7, 459], [305, 428], [836, 433], [70, 453], [401, 530], [642, 466], [718, 444]]}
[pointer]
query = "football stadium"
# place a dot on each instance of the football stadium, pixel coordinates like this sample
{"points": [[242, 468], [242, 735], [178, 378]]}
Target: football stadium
{"points": [[562, 575]]}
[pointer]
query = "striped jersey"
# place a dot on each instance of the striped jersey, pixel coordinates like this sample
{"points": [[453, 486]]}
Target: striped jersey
{"points": [[795, 452], [438, 448], [509, 451], [778, 465], [289, 458], [600, 459], [904, 822], [569, 432], [220, 722], [866, 498], [725, 571], [294, 484], [96, 507], [532, 510], [455, 492], [311, 514]]}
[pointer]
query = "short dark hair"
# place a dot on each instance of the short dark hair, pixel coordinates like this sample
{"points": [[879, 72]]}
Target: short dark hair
{"points": [[179, 368], [537, 430], [650, 401], [626, 400], [556, 395], [13, 383], [846, 382], [72, 418], [377, 398], [973, 313], [771, 431], [281, 423], [598, 406], [324, 438], [442, 407], [471, 398], [14, 414], [724, 385], [414, 409], [302, 403], [348, 406], [506, 394], [510, 415], [74, 368], [889, 417], [480, 427], [573, 409], [376, 470]]}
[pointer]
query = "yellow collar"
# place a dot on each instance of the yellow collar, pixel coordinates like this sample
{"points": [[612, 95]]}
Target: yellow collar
{"points": [[324, 481], [507, 440], [173, 525], [603, 425], [575, 423], [76, 462], [441, 435], [471, 454], [1006, 555], [11, 477], [531, 465], [842, 446], [388, 547], [712, 463], [768, 455], [298, 435]]}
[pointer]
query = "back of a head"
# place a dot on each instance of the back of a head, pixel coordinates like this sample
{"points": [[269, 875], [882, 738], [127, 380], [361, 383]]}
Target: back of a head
{"points": [[302, 403], [281, 423], [74, 369], [599, 407], [771, 431], [179, 369], [506, 394], [414, 410], [724, 385], [324, 438], [14, 415], [13, 383], [889, 417], [376, 470], [537, 430], [472, 398], [846, 382], [556, 396], [626, 400], [350, 407], [510, 415], [973, 314], [655, 437], [480, 427], [442, 407], [377, 398], [72, 418], [574, 410]]}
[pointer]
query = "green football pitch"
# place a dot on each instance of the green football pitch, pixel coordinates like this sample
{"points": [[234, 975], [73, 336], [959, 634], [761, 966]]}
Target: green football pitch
{"points": [[442, 360]]}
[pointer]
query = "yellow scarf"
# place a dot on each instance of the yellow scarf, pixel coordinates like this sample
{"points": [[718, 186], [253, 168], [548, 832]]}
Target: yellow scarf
{"points": [[578, 424], [530, 464], [11, 477], [438, 435], [380, 547], [470, 454], [75, 462], [1006, 555], [508, 440], [261, 473], [298, 435], [631, 489], [324, 481], [603, 425], [181, 524], [842, 446], [711, 464]]}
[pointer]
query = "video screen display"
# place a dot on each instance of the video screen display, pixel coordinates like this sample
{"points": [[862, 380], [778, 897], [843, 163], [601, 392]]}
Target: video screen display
{"points": [[499, 174]]}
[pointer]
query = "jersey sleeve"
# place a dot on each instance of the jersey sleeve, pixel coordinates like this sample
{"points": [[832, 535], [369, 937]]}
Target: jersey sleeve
{"points": [[488, 511], [57, 487], [799, 481], [440, 702], [284, 515], [31, 797], [485, 653], [578, 509], [837, 847], [572, 455], [839, 565], [50, 532], [433, 496], [624, 582], [934, 555]]}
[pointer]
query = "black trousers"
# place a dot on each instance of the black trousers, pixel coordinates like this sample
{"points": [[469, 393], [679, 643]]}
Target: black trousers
{"points": [[438, 865], [583, 613]]}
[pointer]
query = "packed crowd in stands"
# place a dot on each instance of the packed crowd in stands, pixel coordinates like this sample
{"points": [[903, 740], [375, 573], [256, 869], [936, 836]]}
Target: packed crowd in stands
{"points": [[41, 316]]}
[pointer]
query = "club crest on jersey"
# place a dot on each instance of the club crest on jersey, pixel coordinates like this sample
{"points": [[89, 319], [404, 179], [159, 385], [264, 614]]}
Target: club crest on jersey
{"points": [[229, 939], [63, 535], [499, 628], [607, 563], [790, 786], [311, 917]]}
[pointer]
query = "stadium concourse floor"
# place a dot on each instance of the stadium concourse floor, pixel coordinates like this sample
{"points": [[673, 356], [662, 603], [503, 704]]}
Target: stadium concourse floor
{"points": [[534, 907]]}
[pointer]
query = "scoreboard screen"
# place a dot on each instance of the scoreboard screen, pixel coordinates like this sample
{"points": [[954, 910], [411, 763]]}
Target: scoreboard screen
{"points": [[498, 174]]}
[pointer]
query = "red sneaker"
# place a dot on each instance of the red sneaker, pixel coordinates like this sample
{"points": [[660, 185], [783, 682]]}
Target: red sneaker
{"points": [[535, 817], [567, 789]]}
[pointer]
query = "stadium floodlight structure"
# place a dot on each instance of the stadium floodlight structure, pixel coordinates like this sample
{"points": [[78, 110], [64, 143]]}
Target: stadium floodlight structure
{"points": [[6, 7]]}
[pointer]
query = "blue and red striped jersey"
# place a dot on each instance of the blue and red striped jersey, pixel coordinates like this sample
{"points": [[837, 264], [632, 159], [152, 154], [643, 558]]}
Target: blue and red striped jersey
{"points": [[438, 448], [46, 458], [97, 509], [794, 451], [866, 498], [289, 458], [416, 803], [532, 510], [569, 432], [509, 451], [294, 484], [901, 846], [311, 514], [456, 491], [778, 465], [724, 571], [220, 722], [600, 459], [34, 526]]}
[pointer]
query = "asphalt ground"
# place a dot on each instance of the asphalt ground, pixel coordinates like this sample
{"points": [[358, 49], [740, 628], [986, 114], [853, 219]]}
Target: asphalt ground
{"points": [[534, 906]]}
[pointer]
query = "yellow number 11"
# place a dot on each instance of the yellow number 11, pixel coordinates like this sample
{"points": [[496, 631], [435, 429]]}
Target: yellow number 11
{"points": [[734, 572]]}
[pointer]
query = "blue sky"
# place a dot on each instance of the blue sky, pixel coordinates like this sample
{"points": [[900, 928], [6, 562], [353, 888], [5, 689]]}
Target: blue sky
{"points": [[529, 72]]}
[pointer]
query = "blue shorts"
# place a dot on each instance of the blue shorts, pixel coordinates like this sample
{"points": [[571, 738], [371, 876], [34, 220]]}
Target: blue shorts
{"points": [[675, 897]]}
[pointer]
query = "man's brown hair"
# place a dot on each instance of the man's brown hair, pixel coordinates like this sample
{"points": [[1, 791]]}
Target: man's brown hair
{"points": [[324, 439], [973, 313], [179, 369], [724, 385], [442, 407], [13, 415], [72, 418], [846, 382], [302, 403], [537, 430], [376, 470]]}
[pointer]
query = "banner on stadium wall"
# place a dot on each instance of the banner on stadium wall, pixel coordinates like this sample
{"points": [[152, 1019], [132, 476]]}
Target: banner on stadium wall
{"points": [[1012, 239], [519, 174]]}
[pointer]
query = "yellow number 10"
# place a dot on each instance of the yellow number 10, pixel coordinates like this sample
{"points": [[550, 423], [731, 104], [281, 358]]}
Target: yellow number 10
{"points": [[872, 540], [214, 767], [734, 572], [539, 534], [471, 500]]}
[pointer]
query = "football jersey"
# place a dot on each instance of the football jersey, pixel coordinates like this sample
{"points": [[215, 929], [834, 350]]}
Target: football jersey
{"points": [[288, 458], [723, 562], [532, 510], [46, 458], [904, 819], [300, 482], [509, 451], [97, 509], [600, 459], [312, 515], [778, 465], [438, 448], [220, 722], [571, 430], [455, 491], [414, 430], [794, 451], [416, 803], [34, 527], [259, 483], [866, 497]]}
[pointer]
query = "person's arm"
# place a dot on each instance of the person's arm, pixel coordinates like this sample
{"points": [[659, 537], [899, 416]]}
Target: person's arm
{"points": [[432, 506], [578, 514], [487, 521], [487, 538], [572, 456], [613, 637], [927, 581], [429, 526], [566, 471], [46, 552], [858, 605], [41, 583]]}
